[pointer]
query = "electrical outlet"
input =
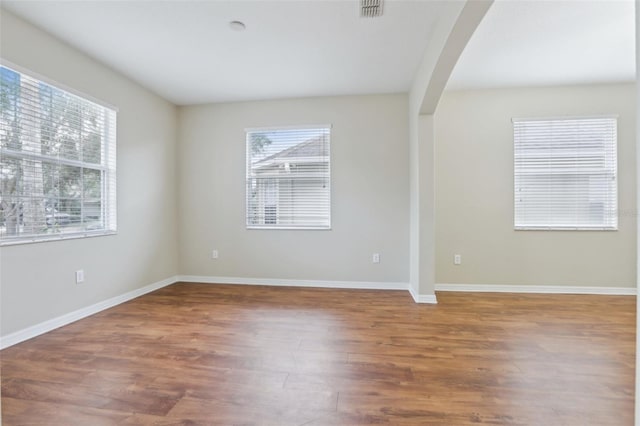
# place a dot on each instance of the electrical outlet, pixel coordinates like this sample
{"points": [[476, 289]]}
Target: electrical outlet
{"points": [[214, 254], [375, 258], [79, 276], [457, 259]]}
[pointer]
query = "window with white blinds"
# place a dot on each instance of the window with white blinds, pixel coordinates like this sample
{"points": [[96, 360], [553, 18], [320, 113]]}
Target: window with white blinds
{"points": [[289, 178], [57, 162], [565, 173]]}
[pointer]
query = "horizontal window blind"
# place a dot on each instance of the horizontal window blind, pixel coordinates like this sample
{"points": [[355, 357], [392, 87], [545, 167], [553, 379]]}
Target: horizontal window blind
{"points": [[57, 162], [289, 178], [565, 173]]}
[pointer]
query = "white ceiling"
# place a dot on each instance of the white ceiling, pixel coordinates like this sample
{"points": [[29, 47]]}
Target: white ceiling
{"points": [[542, 43], [186, 52]]}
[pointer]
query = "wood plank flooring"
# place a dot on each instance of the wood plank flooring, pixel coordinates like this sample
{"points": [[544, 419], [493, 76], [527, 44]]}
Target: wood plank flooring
{"points": [[201, 354]]}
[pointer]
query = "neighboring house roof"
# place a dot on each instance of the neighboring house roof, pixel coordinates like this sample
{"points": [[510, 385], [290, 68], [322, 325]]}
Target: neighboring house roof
{"points": [[310, 151]]}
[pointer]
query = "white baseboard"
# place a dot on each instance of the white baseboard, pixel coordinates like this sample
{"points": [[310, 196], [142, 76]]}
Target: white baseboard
{"points": [[542, 289], [52, 324], [422, 298], [364, 285]]}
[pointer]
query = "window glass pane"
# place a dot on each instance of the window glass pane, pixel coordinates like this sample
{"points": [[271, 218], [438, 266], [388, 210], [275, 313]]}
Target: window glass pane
{"points": [[565, 173], [57, 161], [92, 181], [10, 201], [288, 178]]}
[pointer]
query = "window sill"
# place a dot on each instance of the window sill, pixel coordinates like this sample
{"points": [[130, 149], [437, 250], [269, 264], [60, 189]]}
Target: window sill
{"points": [[566, 228], [59, 237], [289, 228]]}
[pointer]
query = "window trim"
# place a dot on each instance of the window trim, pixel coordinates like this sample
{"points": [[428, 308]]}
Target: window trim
{"points": [[249, 227], [614, 228], [106, 187]]}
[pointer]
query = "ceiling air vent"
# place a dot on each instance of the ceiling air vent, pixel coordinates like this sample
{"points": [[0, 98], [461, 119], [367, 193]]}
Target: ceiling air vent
{"points": [[370, 8]]}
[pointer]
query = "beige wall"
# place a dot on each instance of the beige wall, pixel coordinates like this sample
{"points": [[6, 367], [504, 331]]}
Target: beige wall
{"points": [[474, 192], [369, 181], [37, 280]]}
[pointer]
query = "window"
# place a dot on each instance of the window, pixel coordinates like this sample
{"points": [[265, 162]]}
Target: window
{"points": [[288, 178], [565, 173], [57, 162]]}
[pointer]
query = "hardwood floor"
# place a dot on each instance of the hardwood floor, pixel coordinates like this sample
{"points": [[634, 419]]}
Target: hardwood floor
{"points": [[192, 354]]}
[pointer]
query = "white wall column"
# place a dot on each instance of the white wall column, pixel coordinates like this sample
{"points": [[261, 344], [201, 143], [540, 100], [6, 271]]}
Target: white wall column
{"points": [[422, 276], [426, 141], [448, 40]]}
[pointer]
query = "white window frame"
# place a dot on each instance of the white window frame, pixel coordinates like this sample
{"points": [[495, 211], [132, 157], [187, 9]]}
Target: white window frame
{"points": [[107, 167], [248, 181], [609, 168]]}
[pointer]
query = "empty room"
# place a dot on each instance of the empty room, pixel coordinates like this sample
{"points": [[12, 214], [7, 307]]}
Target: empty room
{"points": [[319, 212]]}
